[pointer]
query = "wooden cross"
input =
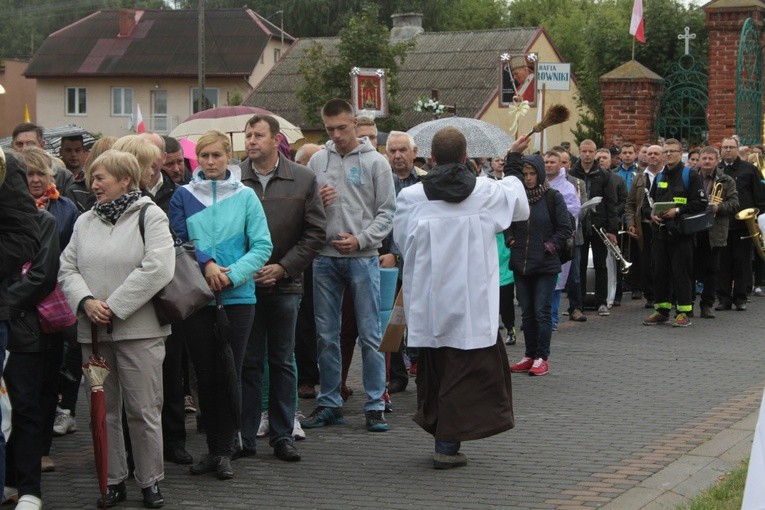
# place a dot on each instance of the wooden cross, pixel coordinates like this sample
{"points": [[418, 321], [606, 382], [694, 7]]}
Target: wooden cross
{"points": [[687, 36]]}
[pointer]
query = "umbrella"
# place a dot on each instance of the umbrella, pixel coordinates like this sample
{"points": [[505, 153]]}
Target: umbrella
{"points": [[231, 120], [53, 136], [226, 364], [96, 371], [189, 148], [483, 139]]}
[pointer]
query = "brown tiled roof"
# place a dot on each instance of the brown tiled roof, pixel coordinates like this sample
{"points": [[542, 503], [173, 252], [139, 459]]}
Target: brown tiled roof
{"points": [[462, 66], [163, 43]]}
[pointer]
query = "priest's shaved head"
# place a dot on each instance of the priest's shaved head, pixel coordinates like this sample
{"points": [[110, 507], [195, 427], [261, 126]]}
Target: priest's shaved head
{"points": [[448, 146]]}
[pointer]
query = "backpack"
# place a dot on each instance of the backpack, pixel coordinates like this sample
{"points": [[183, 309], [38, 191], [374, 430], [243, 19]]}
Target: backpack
{"points": [[566, 252]]}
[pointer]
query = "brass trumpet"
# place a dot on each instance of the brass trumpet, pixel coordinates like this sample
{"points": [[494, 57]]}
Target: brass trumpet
{"points": [[749, 217], [624, 264], [716, 196]]}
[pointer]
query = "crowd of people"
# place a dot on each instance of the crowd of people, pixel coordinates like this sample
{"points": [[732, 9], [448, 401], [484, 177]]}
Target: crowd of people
{"points": [[292, 245]]}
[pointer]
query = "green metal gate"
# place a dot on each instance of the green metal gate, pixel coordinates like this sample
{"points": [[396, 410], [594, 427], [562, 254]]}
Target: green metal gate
{"points": [[683, 107], [749, 85]]}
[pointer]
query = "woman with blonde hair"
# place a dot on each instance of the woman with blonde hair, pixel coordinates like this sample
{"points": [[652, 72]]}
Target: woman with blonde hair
{"points": [[145, 152], [109, 274], [226, 221]]}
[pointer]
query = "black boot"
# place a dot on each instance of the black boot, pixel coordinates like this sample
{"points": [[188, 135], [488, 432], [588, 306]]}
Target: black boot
{"points": [[152, 498], [115, 494]]}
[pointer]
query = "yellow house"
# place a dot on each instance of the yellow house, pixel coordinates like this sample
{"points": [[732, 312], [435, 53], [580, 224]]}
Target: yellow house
{"points": [[465, 69]]}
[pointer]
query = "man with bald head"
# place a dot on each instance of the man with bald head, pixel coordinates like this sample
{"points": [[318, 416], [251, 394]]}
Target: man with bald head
{"points": [[304, 153]]}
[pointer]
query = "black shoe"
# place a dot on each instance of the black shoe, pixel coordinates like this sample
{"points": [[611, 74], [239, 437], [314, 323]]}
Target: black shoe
{"points": [[115, 494], [636, 294], [285, 450], [152, 498], [223, 469], [242, 453], [178, 455], [207, 464], [511, 340], [616, 303], [706, 312], [648, 304], [397, 386], [723, 306]]}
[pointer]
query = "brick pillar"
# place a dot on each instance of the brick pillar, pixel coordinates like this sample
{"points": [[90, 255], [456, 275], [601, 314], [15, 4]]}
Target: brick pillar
{"points": [[724, 24], [630, 97]]}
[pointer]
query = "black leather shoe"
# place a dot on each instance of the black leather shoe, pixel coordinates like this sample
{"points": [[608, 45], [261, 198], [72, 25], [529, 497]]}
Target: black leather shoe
{"points": [[241, 453], [722, 306], [396, 387], [706, 312], [115, 494], [285, 450], [152, 498], [178, 455], [206, 465], [223, 469]]}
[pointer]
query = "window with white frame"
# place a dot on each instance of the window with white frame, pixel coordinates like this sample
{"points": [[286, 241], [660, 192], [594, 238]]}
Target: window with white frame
{"points": [[211, 99], [277, 54], [76, 101], [122, 101]]}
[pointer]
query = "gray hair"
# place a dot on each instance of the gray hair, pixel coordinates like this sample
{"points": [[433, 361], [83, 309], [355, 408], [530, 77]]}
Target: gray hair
{"points": [[412, 143]]}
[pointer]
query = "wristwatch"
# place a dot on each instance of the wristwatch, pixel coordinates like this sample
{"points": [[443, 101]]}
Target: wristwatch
{"points": [[677, 211]]}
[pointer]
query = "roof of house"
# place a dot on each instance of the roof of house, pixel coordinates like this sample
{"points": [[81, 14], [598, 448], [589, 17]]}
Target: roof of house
{"points": [[462, 66], [162, 43]]}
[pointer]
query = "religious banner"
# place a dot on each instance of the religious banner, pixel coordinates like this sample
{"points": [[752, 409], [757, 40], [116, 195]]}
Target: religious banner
{"points": [[369, 90], [518, 79]]}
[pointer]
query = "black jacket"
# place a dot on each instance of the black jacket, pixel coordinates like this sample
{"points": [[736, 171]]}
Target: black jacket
{"points": [[751, 192], [671, 188], [19, 230], [165, 192], [24, 292], [82, 197], [598, 184]]}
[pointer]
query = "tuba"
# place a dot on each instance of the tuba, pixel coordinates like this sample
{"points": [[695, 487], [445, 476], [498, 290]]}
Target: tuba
{"points": [[749, 217], [624, 264]]}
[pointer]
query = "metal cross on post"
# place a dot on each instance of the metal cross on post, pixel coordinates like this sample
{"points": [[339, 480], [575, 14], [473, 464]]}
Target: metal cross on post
{"points": [[687, 36]]}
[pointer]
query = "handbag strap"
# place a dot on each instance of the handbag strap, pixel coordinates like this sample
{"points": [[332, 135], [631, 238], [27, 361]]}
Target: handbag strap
{"points": [[142, 227]]}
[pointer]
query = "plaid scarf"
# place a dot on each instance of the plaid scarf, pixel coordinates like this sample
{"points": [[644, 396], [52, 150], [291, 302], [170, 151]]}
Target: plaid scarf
{"points": [[535, 194], [111, 211]]}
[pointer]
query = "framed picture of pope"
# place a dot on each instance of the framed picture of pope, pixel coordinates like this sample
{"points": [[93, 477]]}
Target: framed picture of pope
{"points": [[518, 79]]}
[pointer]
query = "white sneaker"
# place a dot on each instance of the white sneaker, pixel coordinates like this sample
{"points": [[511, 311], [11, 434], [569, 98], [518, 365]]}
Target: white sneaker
{"points": [[29, 502], [64, 423], [263, 429], [297, 431], [759, 292], [603, 311]]}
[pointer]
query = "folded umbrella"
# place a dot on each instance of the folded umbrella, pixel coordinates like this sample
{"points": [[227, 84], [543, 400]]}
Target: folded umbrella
{"points": [[226, 364]]}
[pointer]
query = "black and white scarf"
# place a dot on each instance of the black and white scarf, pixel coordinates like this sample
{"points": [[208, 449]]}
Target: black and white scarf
{"points": [[111, 211]]}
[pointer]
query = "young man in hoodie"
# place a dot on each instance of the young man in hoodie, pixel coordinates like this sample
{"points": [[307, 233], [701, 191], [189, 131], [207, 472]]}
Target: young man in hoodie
{"points": [[445, 227], [356, 188]]}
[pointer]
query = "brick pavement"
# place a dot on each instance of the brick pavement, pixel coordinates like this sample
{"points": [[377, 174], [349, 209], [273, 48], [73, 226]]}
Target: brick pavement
{"points": [[622, 402]]}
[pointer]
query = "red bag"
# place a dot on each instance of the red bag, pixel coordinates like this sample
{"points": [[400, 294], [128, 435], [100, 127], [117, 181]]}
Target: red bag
{"points": [[54, 312]]}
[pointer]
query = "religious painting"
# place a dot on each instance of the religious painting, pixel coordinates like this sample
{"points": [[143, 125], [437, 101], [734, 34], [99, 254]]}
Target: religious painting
{"points": [[518, 81], [369, 90]]}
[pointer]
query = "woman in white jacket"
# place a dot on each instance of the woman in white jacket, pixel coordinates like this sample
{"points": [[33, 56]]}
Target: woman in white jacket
{"points": [[109, 276]]}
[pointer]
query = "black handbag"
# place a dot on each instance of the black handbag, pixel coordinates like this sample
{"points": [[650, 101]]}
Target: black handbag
{"points": [[187, 291], [693, 223]]}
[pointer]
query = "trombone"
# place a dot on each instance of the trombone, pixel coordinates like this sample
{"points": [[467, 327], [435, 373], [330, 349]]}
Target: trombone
{"points": [[624, 264]]}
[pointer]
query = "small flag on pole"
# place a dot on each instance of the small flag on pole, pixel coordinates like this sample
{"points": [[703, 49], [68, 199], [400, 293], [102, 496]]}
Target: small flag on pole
{"points": [[636, 25], [140, 127], [26, 113]]}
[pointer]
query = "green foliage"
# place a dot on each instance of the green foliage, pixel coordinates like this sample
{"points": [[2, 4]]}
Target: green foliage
{"points": [[364, 42], [29, 23], [594, 37], [589, 127], [728, 494]]}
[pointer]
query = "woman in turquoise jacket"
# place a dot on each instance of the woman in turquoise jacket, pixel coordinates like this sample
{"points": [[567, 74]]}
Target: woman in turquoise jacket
{"points": [[226, 221]]}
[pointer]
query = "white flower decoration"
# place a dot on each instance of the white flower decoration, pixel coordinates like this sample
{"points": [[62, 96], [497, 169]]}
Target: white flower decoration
{"points": [[355, 71], [380, 72]]}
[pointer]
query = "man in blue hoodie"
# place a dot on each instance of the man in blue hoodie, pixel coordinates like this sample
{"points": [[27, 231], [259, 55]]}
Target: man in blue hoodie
{"points": [[356, 187]]}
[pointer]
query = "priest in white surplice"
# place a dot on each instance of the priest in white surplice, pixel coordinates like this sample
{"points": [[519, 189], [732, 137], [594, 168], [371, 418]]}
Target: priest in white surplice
{"points": [[445, 227]]}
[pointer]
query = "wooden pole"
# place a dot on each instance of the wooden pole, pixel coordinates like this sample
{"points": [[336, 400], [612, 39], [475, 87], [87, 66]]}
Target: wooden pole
{"points": [[201, 58]]}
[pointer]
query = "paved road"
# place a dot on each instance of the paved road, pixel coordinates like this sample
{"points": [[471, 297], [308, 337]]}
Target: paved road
{"points": [[622, 418]]}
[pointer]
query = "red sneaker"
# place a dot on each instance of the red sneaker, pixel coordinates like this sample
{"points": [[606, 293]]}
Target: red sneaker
{"points": [[522, 366], [540, 367]]}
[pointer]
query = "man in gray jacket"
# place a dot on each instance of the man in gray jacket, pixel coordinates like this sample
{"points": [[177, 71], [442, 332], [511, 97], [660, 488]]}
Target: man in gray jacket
{"points": [[356, 187], [290, 197]]}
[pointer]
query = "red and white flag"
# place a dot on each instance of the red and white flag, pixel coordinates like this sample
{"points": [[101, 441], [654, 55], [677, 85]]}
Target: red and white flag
{"points": [[140, 127], [636, 25]]}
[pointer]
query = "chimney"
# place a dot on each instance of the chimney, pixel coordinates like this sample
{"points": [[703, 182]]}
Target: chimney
{"points": [[128, 21], [406, 26]]}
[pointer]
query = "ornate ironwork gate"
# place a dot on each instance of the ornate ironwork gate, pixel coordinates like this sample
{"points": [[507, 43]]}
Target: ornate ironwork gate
{"points": [[749, 85], [683, 107]]}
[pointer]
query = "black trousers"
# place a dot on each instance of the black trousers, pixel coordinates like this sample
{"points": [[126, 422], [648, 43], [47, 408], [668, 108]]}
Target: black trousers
{"points": [[217, 415], [24, 378], [646, 263], [672, 266], [50, 388], [305, 335], [599, 252], [705, 263], [173, 410], [507, 305], [735, 274], [71, 370]]}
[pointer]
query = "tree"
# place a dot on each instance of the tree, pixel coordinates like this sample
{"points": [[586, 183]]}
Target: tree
{"points": [[364, 42]]}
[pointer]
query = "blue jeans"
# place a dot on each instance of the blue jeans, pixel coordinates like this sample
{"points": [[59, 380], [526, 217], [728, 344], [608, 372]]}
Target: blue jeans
{"points": [[555, 307], [3, 345], [535, 296], [331, 275], [574, 283], [272, 338]]}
